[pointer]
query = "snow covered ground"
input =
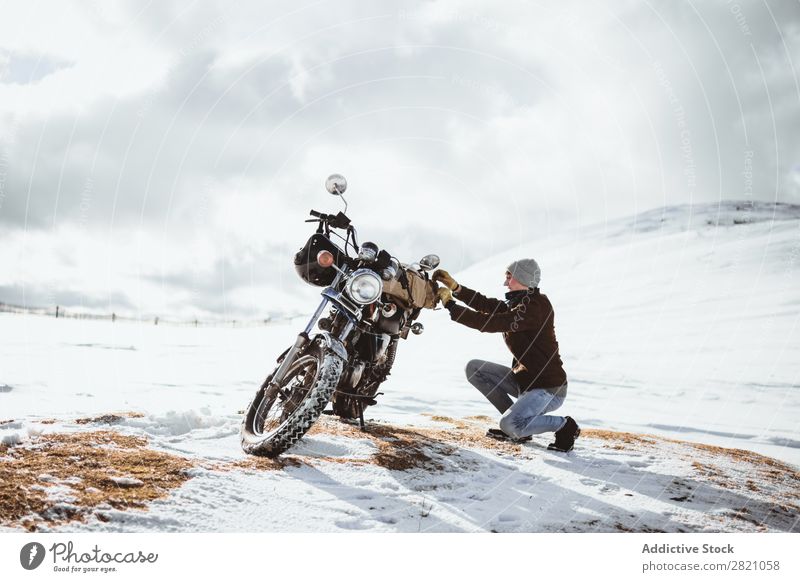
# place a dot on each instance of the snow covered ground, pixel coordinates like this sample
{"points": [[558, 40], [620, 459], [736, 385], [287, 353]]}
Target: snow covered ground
{"points": [[680, 323]]}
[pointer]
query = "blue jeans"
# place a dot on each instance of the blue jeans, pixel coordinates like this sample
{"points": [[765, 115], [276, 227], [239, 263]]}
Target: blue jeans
{"points": [[527, 415]]}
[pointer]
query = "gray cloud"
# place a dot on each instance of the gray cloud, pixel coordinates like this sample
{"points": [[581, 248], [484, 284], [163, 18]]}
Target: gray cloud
{"points": [[464, 129], [24, 68]]}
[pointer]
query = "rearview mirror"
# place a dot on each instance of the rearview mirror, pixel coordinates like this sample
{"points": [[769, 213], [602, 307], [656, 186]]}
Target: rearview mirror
{"points": [[336, 184], [429, 262]]}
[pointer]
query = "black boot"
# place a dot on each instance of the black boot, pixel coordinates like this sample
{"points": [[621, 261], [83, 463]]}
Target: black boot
{"points": [[498, 434], [565, 436]]}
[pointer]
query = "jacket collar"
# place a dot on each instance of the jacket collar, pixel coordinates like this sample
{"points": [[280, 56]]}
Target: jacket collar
{"points": [[514, 297]]}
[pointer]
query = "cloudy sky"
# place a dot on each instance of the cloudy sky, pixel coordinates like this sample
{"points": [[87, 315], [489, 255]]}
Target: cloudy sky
{"points": [[160, 157]]}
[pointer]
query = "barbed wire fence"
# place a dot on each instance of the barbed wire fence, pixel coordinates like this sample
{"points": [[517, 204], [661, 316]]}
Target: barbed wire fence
{"points": [[58, 311]]}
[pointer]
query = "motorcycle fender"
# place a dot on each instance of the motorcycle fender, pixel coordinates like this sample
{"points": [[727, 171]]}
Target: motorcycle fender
{"points": [[333, 343]]}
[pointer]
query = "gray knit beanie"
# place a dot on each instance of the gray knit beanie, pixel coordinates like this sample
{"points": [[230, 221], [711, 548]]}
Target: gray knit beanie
{"points": [[526, 271]]}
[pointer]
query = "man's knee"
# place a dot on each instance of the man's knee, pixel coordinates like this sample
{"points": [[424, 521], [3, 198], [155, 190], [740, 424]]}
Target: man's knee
{"points": [[508, 426], [472, 367]]}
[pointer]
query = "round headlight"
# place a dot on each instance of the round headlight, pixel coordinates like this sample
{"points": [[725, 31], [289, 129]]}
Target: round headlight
{"points": [[364, 286]]}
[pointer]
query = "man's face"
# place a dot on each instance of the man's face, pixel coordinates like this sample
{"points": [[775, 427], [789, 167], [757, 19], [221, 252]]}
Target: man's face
{"points": [[512, 283]]}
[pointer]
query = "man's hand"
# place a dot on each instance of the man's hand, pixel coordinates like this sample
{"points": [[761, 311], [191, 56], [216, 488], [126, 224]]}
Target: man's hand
{"points": [[444, 295], [445, 278]]}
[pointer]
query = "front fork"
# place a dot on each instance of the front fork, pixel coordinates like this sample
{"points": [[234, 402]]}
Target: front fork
{"points": [[303, 337]]}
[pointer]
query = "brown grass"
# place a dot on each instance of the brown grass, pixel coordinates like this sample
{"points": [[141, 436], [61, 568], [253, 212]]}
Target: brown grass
{"points": [[93, 458], [747, 456], [618, 438], [769, 470], [459, 424], [707, 470], [779, 475], [259, 464], [109, 418], [399, 449], [403, 449]]}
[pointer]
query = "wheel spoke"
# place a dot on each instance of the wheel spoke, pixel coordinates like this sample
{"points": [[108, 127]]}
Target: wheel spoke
{"points": [[279, 402]]}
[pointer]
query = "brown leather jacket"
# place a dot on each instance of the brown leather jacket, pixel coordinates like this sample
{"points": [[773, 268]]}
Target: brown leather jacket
{"points": [[526, 321]]}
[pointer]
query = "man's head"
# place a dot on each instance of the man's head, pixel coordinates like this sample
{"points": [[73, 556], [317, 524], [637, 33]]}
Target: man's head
{"points": [[522, 274]]}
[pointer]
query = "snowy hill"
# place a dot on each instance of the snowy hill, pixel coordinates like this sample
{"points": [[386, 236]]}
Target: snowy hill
{"points": [[677, 325], [681, 321]]}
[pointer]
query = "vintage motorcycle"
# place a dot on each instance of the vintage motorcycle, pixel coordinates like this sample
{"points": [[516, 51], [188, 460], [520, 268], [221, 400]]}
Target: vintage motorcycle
{"points": [[373, 301]]}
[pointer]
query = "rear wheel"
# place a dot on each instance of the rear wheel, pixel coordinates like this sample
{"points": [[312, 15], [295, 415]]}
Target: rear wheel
{"points": [[280, 415]]}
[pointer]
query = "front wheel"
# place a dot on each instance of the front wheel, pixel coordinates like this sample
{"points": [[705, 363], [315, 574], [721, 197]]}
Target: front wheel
{"points": [[279, 416]]}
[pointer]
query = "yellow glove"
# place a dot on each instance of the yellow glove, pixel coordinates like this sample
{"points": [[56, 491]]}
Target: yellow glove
{"points": [[444, 295], [446, 279]]}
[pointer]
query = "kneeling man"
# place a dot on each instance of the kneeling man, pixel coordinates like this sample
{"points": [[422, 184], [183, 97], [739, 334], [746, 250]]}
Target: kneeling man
{"points": [[536, 378]]}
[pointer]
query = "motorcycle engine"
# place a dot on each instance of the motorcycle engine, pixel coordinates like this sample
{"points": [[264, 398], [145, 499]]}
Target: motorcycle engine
{"points": [[354, 374]]}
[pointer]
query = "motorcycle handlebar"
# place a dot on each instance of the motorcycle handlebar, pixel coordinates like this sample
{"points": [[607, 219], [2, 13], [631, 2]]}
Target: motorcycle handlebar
{"points": [[334, 220]]}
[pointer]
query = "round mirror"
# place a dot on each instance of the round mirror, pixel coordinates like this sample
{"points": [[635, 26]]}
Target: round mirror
{"points": [[429, 262], [336, 184]]}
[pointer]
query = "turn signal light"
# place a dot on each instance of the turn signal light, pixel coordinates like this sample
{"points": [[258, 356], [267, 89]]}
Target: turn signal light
{"points": [[325, 258]]}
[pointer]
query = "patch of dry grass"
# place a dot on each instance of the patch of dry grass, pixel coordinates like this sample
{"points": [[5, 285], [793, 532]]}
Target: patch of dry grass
{"points": [[259, 463], [84, 466], [399, 449], [618, 439], [109, 418], [767, 466], [780, 482]]}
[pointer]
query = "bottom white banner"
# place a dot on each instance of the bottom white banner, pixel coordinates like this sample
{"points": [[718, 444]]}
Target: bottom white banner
{"points": [[625, 556]]}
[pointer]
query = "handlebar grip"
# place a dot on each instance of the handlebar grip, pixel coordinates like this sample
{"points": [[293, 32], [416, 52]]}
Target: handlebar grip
{"points": [[317, 214], [339, 221]]}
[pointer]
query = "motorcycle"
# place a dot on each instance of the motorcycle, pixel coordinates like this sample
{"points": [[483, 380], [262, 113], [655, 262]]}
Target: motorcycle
{"points": [[372, 302]]}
